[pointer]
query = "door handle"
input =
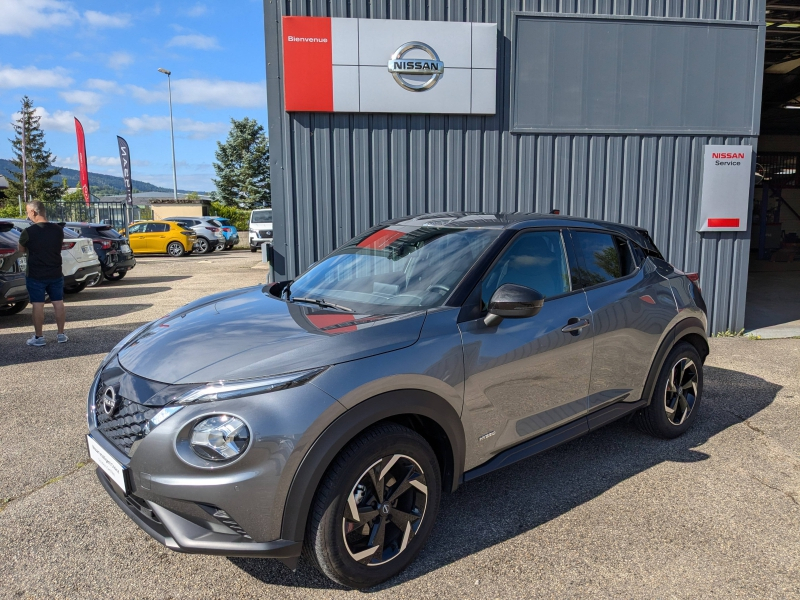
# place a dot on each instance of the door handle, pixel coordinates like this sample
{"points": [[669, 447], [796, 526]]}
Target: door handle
{"points": [[575, 325]]}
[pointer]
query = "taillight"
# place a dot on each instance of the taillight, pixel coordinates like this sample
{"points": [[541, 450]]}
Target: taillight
{"points": [[6, 251], [226, 229], [214, 229], [104, 245], [67, 245], [694, 278]]}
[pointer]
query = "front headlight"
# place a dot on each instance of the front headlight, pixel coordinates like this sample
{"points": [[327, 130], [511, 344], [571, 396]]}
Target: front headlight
{"points": [[220, 438], [225, 390]]}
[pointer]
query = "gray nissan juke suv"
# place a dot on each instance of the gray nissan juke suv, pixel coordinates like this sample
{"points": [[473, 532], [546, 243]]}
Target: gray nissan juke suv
{"points": [[333, 411]]}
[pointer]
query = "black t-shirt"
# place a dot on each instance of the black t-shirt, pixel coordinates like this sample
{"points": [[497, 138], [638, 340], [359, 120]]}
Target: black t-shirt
{"points": [[43, 242]]}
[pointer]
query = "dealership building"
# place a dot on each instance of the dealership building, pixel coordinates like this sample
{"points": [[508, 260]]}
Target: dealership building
{"points": [[644, 112]]}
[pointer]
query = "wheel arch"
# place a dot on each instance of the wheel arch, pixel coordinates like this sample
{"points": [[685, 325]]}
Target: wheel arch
{"points": [[689, 330], [428, 414]]}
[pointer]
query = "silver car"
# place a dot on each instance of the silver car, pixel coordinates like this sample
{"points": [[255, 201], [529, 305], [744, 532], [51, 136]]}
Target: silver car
{"points": [[332, 412], [209, 232]]}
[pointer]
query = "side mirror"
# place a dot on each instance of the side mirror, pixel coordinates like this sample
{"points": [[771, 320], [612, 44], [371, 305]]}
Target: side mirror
{"points": [[512, 301], [6, 226]]}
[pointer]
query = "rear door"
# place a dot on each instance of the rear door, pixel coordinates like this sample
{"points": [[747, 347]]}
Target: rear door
{"points": [[525, 377], [631, 306]]}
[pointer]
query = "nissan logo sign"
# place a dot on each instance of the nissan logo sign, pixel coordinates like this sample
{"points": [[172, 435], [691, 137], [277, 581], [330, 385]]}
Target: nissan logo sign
{"points": [[108, 401], [399, 67]]}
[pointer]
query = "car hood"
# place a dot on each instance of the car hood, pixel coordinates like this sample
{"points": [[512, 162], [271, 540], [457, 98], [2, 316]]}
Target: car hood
{"points": [[248, 333]]}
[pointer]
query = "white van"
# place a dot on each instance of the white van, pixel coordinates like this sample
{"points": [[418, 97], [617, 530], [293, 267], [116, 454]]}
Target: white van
{"points": [[260, 228]]}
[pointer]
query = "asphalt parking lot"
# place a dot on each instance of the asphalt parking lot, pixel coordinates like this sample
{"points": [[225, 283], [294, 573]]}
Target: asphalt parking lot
{"points": [[613, 514]]}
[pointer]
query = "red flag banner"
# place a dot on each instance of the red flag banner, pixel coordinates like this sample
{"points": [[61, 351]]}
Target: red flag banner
{"points": [[84, 168]]}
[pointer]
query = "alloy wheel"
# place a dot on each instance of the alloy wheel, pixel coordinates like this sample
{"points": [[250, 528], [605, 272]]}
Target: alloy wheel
{"points": [[681, 393], [201, 245], [174, 249], [384, 510]]}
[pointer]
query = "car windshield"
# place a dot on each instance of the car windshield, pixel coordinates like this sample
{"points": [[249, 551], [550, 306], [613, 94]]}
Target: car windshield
{"points": [[261, 216], [394, 270]]}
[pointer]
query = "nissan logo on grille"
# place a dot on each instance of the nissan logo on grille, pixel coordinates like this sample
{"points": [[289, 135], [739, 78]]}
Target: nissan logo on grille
{"points": [[400, 66], [108, 401]]}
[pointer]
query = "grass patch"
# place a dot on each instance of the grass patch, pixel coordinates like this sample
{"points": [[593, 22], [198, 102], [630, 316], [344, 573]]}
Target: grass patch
{"points": [[736, 334]]}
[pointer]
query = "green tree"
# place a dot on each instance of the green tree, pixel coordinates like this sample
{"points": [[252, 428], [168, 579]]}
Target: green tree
{"points": [[40, 160], [242, 166]]}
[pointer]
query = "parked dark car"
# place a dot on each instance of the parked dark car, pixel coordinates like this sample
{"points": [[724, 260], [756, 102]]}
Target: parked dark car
{"points": [[331, 412], [13, 293], [112, 248]]}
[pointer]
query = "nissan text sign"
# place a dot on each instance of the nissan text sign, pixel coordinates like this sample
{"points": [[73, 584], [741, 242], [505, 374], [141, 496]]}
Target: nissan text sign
{"points": [[725, 199]]}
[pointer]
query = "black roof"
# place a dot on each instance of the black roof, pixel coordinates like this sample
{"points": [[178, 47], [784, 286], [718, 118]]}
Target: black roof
{"points": [[523, 221]]}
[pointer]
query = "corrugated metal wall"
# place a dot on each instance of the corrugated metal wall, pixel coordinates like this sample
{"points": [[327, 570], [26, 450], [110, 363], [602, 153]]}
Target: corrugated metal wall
{"points": [[334, 175]]}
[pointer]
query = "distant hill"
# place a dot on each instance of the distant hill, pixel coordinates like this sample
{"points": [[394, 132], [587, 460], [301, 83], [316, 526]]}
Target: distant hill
{"points": [[102, 185]]}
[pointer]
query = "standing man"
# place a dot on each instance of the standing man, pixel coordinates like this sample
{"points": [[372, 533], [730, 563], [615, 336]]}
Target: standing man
{"points": [[43, 240]]}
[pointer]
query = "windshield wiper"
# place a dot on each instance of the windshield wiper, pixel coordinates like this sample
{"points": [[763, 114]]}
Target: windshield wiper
{"points": [[323, 304]]}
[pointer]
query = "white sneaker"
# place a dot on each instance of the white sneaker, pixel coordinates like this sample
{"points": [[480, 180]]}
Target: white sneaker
{"points": [[62, 337], [36, 341]]}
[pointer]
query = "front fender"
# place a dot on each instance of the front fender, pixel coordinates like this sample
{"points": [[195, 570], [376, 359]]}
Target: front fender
{"points": [[348, 426]]}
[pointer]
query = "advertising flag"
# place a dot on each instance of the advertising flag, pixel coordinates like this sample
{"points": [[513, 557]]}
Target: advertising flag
{"points": [[125, 160], [84, 168]]}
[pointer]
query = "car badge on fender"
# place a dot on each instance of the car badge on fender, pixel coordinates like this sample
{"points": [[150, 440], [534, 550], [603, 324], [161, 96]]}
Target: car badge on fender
{"points": [[399, 66]]}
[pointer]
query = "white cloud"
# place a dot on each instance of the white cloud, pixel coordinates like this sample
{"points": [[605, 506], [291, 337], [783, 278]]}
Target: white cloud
{"points": [[32, 77], [119, 60], [98, 19], [109, 162], [196, 41], [61, 120], [103, 85], [211, 93], [198, 10], [195, 129], [88, 101], [24, 17]]}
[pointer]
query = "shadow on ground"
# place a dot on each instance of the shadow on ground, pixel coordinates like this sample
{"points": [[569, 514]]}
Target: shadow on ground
{"points": [[509, 502], [83, 341]]}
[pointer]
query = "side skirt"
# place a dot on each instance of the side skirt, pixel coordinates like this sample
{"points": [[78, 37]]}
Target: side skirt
{"points": [[554, 438]]}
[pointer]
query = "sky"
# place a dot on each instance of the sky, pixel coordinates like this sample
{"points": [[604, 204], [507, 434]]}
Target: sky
{"points": [[98, 61]]}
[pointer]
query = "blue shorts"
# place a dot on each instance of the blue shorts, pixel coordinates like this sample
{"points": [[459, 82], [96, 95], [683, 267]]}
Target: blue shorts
{"points": [[53, 287]]}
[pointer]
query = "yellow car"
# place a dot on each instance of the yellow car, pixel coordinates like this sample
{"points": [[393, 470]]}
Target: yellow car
{"points": [[161, 237]]}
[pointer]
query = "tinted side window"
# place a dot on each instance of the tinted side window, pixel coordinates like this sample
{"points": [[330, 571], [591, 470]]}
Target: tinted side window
{"points": [[535, 260], [602, 257]]}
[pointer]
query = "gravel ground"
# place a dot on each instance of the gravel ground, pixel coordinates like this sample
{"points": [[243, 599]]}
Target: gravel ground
{"points": [[613, 514]]}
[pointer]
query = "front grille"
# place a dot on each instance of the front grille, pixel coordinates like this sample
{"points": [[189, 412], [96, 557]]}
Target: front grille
{"points": [[125, 424], [265, 233]]}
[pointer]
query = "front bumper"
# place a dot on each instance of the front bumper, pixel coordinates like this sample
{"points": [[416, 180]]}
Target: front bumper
{"points": [[182, 535], [84, 274], [231, 510]]}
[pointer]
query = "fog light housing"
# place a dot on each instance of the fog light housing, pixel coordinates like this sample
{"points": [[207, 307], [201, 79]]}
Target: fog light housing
{"points": [[220, 438]]}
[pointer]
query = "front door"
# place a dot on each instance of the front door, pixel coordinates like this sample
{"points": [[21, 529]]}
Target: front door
{"points": [[525, 377], [137, 238], [157, 237]]}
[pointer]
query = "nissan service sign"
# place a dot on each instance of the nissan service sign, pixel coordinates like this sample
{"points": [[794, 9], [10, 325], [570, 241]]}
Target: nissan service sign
{"points": [[389, 66], [725, 199]]}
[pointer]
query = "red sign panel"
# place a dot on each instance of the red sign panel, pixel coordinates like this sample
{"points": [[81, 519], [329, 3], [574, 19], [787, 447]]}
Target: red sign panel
{"points": [[380, 239], [307, 64], [723, 222]]}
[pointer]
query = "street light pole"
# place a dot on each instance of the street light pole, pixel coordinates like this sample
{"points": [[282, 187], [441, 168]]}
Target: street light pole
{"points": [[171, 134]]}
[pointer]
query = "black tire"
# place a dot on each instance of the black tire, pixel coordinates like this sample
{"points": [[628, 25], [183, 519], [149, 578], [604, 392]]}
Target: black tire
{"points": [[74, 289], [253, 248], [395, 452], [202, 246], [676, 396], [13, 309], [115, 276], [175, 249]]}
